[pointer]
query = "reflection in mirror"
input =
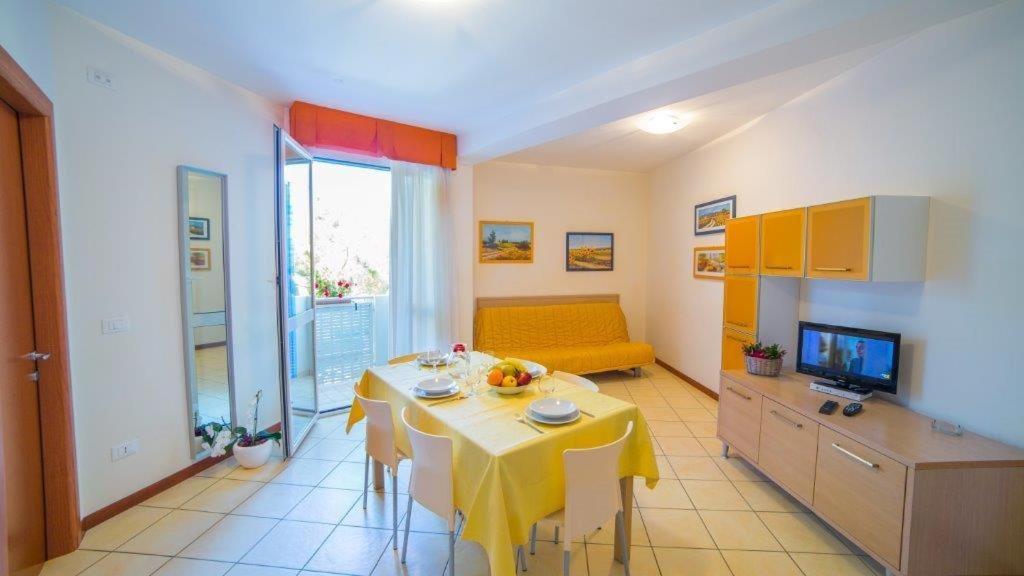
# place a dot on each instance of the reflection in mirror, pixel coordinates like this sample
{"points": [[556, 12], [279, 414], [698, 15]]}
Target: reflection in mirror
{"points": [[205, 296]]}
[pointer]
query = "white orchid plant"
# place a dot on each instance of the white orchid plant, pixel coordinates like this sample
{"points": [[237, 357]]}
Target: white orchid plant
{"points": [[220, 437]]}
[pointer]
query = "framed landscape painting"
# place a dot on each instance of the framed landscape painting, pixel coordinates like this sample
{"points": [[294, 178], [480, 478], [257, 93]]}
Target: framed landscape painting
{"points": [[506, 242], [198, 228], [710, 217], [199, 258], [709, 262], [589, 251]]}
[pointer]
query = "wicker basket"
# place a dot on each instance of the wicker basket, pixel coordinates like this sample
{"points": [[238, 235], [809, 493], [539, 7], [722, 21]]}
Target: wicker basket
{"points": [[763, 366]]}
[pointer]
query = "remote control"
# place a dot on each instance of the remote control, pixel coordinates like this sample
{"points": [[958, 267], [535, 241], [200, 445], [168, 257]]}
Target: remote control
{"points": [[828, 407], [852, 409]]}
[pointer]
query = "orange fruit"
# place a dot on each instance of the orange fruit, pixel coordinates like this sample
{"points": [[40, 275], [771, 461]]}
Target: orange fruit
{"points": [[494, 377]]}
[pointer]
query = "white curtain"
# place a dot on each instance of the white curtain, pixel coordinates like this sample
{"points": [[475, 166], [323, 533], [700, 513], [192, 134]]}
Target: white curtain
{"points": [[422, 272]]}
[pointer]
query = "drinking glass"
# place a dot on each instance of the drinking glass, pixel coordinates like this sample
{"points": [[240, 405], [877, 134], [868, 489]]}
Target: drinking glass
{"points": [[546, 385]]}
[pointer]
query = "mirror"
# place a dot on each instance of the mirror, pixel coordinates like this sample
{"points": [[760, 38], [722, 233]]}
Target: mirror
{"points": [[205, 297]]}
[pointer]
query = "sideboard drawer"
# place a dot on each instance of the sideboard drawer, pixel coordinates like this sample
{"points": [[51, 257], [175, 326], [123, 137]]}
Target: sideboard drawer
{"points": [[862, 491], [789, 448], [739, 417]]}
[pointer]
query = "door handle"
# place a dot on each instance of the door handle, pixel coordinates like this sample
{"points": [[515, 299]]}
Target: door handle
{"points": [[36, 356], [33, 376]]}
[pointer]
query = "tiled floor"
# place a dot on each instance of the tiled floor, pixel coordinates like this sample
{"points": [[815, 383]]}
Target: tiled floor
{"points": [[214, 401], [708, 516]]}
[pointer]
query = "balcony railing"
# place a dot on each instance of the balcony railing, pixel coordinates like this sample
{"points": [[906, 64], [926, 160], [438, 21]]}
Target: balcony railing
{"points": [[351, 334]]}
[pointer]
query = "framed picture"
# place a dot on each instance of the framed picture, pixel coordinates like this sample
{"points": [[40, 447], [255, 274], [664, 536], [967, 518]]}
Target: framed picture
{"points": [[198, 228], [506, 242], [199, 258], [709, 262], [710, 217], [589, 251]]}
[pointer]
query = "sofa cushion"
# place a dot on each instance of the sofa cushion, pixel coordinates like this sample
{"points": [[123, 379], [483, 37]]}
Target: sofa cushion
{"points": [[555, 326], [586, 359]]}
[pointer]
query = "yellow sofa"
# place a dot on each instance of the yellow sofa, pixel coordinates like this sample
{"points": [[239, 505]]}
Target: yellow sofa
{"points": [[579, 338]]}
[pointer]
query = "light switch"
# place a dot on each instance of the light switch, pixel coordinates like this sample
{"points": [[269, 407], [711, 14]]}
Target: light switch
{"points": [[116, 325]]}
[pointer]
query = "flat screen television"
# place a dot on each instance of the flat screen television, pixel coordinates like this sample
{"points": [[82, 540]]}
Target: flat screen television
{"points": [[849, 356]]}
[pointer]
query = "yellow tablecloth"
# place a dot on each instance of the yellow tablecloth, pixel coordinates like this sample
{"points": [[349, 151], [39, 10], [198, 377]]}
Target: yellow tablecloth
{"points": [[507, 476]]}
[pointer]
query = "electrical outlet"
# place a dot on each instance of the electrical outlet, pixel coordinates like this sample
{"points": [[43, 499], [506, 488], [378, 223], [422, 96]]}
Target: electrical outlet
{"points": [[100, 78], [115, 325], [124, 450]]}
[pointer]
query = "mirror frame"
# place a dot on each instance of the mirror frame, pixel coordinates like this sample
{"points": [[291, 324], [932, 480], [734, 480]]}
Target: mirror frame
{"points": [[188, 336]]}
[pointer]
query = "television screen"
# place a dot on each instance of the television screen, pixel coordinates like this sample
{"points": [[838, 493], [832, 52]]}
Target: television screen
{"points": [[849, 355]]}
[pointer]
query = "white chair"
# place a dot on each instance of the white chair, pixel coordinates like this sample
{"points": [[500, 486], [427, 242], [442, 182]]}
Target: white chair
{"points": [[403, 359], [577, 380], [592, 496], [432, 484], [380, 445]]}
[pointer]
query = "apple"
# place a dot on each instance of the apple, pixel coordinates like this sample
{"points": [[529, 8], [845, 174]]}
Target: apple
{"points": [[525, 378]]}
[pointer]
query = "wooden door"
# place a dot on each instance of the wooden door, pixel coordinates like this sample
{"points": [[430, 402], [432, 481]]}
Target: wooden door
{"points": [[839, 240], [741, 303], [741, 245], [782, 243], [23, 517]]}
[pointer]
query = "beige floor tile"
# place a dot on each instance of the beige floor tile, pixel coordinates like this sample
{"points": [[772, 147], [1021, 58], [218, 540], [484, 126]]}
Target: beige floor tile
{"points": [[243, 570], [694, 415], [714, 495], [326, 505], [766, 497], [601, 561], [230, 539], [736, 530], [831, 565], [651, 402], [682, 399], [676, 528], [220, 469], [667, 494], [172, 533], [377, 513], [121, 528], [663, 413], [471, 558], [703, 429], [548, 559], [713, 446], [681, 446], [223, 496], [428, 554], [665, 470], [120, 564], [71, 564], [180, 493], [289, 545], [189, 567], [264, 473], [663, 429], [620, 394], [695, 468], [802, 533], [348, 475], [606, 534], [642, 389], [304, 471], [751, 563], [736, 468], [358, 455], [273, 500], [350, 550], [682, 562], [325, 427], [331, 449]]}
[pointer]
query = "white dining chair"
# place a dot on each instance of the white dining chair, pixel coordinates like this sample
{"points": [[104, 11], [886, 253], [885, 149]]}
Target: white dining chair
{"points": [[432, 483], [403, 359], [380, 445], [574, 379], [592, 496]]}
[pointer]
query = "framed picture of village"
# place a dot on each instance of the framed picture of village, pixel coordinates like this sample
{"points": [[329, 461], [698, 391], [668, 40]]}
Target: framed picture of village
{"points": [[710, 217], [589, 251]]}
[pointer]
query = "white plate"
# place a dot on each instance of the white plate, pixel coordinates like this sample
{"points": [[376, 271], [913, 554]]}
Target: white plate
{"points": [[425, 360], [444, 394], [435, 385], [554, 408], [537, 418]]}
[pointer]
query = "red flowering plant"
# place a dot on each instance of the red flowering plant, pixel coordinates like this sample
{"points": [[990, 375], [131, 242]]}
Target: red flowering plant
{"points": [[773, 352], [326, 287]]}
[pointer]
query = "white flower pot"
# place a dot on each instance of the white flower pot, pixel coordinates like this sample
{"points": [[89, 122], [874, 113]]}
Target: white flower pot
{"points": [[253, 456]]}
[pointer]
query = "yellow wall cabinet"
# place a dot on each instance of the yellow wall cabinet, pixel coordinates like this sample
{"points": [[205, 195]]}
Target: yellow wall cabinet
{"points": [[879, 238], [733, 342], [782, 243], [741, 245], [759, 308]]}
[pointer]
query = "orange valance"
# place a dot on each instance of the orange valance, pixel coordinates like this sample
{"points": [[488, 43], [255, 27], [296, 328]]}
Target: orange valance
{"points": [[330, 129]]}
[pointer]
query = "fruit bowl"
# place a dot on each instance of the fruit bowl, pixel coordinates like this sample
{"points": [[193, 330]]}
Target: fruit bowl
{"points": [[510, 376]]}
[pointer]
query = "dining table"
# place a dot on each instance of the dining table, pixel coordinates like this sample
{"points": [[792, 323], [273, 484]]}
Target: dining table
{"points": [[508, 470]]}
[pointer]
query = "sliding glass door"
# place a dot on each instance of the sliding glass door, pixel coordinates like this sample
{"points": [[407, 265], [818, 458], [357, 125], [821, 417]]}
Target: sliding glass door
{"points": [[297, 304]]}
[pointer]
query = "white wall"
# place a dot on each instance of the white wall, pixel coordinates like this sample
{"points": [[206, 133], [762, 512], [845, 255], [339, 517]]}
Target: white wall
{"points": [[937, 115], [559, 200], [118, 151], [25, 34]]}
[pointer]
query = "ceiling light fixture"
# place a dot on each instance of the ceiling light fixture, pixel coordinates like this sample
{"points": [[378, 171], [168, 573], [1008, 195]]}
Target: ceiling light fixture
{"points": [[663, 123]]}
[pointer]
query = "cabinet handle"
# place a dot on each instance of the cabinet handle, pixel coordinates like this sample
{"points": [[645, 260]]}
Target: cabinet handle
{"points": [[738, 323], [832, 269], [779, 267], [735, 339], [781, 417], [867, 463], [738, 266], [740, 394]]}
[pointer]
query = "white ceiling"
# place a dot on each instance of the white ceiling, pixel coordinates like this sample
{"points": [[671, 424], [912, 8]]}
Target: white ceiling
{"points": [[507, 75]]}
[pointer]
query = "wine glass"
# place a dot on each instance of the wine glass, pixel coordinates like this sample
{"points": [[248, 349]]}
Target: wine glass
{"points": [[546, 385], [434, 359]]}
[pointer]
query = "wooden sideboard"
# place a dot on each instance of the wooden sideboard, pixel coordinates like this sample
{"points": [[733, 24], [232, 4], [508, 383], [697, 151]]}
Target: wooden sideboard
{"points": [[919, 501]]}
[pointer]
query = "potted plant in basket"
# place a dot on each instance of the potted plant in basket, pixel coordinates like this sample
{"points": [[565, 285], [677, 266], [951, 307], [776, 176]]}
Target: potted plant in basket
{"points": [[251, 449], [763, 360]]}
